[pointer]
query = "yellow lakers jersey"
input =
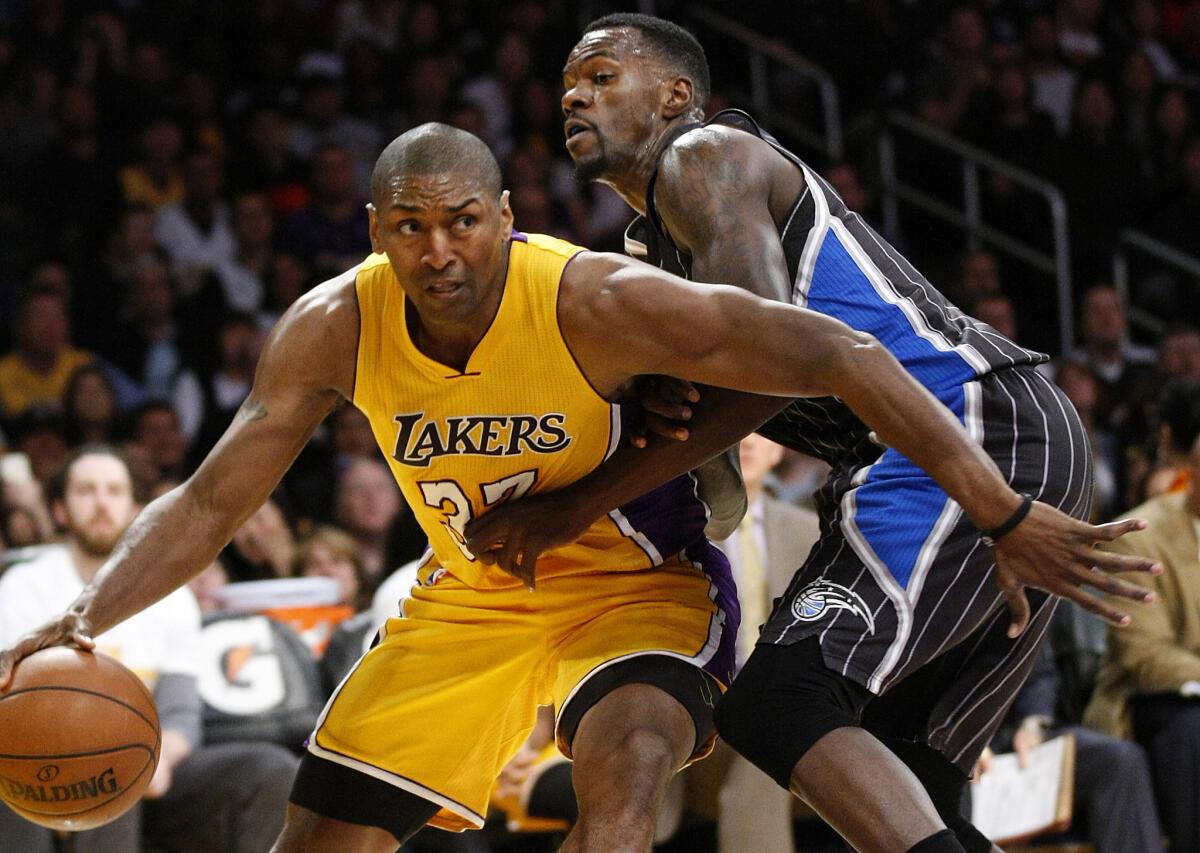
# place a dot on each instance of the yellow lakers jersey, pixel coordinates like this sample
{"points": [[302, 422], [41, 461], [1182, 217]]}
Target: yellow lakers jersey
{"points": [[521, 418]]}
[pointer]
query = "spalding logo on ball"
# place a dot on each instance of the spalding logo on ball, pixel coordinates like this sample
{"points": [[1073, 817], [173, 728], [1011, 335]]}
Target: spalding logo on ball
{"points": [[79, 739]]}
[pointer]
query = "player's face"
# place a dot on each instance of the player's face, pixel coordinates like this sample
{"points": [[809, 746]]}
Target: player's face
{"points": [[446, 239], [98, 504], [611, 102]]}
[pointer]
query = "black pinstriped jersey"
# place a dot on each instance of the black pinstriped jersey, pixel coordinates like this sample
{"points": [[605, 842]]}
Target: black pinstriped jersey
{"points": [[840, 266]]}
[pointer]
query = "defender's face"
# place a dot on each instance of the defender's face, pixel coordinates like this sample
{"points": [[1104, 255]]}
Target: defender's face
{"points": [[611, 102], [445, 237]]}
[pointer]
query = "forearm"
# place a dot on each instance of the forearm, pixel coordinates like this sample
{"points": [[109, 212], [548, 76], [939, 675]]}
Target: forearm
{"points": [[720, 419], [907, 417], [172, 540]]}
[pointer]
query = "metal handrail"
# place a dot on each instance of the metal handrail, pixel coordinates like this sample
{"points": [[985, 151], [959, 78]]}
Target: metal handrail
{"points": [[970, 219], [1132, 238], [761, 49]]}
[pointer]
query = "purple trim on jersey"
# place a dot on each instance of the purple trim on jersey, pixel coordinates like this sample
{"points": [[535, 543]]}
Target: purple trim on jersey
{"points": [[520, 236], [670, 517], [722, 664]]}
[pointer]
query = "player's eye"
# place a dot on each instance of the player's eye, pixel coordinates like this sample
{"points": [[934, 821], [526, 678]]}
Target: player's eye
{"points": [[407, 227], [465, 223], [603, 77]]}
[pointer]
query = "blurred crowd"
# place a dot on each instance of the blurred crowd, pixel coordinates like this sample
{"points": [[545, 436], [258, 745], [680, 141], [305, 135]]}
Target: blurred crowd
{"points": [[173, 180]]}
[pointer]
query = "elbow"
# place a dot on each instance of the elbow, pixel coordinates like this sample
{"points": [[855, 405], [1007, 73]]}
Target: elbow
{"points": [[850, 354]]}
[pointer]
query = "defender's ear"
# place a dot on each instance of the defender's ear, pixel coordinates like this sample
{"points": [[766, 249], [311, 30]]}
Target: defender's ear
{"points": [[679, 97]]}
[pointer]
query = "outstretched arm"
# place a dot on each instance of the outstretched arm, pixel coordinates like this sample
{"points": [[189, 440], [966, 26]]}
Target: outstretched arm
{"points": [[621, 318], [307, 364]]}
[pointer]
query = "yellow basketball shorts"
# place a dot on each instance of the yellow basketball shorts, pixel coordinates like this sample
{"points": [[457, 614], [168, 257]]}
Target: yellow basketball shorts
{"points": [[450, 692]]}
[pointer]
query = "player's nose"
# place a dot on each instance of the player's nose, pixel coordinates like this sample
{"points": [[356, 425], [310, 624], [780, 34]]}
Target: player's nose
{"points": [[438, 254], [575, 98]]}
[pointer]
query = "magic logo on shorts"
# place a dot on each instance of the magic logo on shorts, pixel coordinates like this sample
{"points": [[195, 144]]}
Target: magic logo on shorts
{"points": [[819, 597], [419, 440]]}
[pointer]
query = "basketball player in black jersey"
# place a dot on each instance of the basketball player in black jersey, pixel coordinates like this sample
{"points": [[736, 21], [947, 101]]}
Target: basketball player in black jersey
{"points": [[886, 666]]}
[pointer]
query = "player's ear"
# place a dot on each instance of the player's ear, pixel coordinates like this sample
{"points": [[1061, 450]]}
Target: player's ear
{"points": [[679, 97], [506, 215], [373, 228]]}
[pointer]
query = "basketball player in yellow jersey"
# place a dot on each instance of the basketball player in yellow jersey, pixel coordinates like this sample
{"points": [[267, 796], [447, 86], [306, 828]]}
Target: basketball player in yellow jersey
{"points": [[420, 727]]}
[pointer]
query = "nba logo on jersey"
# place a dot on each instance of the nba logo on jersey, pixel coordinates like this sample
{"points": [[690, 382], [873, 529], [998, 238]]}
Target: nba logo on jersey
{"points": [[819, 596]]}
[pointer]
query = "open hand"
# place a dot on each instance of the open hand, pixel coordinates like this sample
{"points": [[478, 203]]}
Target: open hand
{"points": [[1054, 552], [69, 629]]}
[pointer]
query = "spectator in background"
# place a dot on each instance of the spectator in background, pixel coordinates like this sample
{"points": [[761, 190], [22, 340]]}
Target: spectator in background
{"points": [[1178, 427], [206, 401], [242, 277], [1052, 82], [207, 587], [1177, 211], [330, 553], [330, 233], [129, 244], [262, 547], [89, 406], [1145, 22], [1169, 137], [978, 277], [1138, 91], [495, 93], [264, 162], [155, 179], [322, 121], [1107, 351], [956, 69], [94, 501], [147, 342], [1149, 682], [70, 198], [1079, 37], [367, 502], [998, 312], [43, 359], [196, 232], [1113, 796], [41, 434], [158, 440], [1083, 389]]}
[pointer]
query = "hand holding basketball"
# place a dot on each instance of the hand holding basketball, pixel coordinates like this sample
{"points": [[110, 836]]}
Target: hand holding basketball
{"points": [[79, 739], [69, 629]]}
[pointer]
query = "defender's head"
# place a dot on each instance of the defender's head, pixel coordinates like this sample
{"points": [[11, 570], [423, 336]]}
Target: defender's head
{"points": [[440, 216], [629, 76]]}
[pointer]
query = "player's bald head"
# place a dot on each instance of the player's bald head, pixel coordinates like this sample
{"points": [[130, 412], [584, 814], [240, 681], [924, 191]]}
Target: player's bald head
{"points": [[435, 149]]}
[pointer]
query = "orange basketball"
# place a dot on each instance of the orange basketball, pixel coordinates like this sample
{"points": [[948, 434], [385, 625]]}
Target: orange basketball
{"points": [[79, 739]]}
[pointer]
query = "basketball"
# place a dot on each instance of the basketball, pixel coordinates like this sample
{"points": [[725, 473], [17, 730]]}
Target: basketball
{"points": [[79, 739]]}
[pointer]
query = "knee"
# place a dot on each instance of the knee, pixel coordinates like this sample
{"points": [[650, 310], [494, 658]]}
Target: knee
{"points": [[646, 750]]}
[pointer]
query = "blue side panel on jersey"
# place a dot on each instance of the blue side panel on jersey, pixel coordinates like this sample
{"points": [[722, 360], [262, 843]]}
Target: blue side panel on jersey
{"points": [[898, 505], [842, 290]]}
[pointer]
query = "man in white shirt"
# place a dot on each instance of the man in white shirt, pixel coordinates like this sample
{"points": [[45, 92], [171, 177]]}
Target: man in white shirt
{"points": [[93, 501]]}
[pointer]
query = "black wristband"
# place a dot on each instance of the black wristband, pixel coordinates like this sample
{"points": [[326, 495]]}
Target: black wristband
{"points": [[991, 537]]}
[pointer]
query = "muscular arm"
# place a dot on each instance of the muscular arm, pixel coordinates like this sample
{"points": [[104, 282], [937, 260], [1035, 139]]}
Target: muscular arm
{"points": [[714, 196], [306, 365]]}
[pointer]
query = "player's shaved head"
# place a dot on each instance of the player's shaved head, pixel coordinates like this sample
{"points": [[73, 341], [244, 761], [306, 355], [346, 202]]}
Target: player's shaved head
{"points": [[435, 149]]}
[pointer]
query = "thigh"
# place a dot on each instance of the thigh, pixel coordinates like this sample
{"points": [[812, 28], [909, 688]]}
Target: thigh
{"points": [[443, 700], [661, 627]]}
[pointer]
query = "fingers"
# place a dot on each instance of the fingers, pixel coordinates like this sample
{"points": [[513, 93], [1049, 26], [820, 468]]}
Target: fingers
{"points": [[1092, 604], [664, 427], [1018, 609], [6, 668], [1114, 586], [671, 390], [83, 640], [667, 409], [1107, 561], [1116, 529]]}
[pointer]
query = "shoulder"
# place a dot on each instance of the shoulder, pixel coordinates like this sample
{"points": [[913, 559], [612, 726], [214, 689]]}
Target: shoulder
{"points": [[315, 342], [709, 152]]}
